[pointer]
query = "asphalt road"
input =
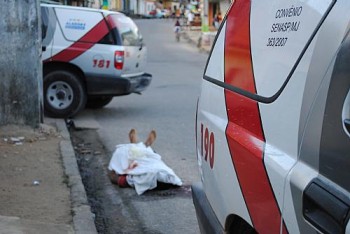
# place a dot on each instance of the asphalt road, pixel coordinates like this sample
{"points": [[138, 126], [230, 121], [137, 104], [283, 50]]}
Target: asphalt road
{"points": [[169, 107]]}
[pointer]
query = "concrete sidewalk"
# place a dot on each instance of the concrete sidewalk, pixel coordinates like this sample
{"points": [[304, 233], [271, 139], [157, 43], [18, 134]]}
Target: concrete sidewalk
{"points": [[22, 159]]}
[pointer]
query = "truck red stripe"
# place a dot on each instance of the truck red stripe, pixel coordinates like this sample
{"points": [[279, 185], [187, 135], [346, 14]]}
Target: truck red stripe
{"points": [[83, 44], [244, 132]]}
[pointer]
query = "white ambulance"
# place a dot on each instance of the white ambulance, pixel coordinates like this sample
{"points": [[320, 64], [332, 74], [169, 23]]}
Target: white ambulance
{"points": [[89, 56], [273, 120]]}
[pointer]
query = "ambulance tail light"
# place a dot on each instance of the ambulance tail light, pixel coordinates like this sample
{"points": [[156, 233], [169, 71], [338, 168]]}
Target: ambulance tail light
{"points": [[119, 60]]}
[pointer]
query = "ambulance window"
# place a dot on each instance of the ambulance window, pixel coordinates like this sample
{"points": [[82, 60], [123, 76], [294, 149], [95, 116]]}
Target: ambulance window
{"points": [[257, 52]]}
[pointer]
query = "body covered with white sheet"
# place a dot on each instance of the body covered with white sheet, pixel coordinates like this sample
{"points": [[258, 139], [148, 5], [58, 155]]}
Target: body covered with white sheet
{"points": [[142, 166]]}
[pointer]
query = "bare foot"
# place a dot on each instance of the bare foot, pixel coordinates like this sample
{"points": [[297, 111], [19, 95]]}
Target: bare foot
{"points": [[133, 136], [151, 138]]}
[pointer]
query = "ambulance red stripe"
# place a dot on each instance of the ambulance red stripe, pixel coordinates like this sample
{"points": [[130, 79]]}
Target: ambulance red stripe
{"points": [[244, 132], [83, 44]]}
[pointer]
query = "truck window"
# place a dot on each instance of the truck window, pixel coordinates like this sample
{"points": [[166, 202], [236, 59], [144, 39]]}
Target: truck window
{"points": [[44, 21], [126, 29], [48, 25], [82, 26], [108, 39]]}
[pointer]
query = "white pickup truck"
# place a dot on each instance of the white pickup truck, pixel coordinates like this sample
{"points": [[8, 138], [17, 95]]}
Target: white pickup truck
{"points": [[89, 56]]}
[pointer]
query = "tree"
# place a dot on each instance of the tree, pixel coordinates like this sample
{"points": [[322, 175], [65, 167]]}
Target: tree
{"points": [[20, 63]]}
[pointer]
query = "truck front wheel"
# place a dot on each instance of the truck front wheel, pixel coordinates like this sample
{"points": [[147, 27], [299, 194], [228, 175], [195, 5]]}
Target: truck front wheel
{"points": [[64, 94]]}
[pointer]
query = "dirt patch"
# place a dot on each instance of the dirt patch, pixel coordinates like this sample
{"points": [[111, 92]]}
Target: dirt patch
{"points": [[33, 185]]}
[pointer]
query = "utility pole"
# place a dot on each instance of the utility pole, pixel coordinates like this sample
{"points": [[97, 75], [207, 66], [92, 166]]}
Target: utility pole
{"points": [[20, 63]]}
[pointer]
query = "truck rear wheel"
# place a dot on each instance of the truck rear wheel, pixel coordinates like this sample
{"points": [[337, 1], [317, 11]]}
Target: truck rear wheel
{"points": [[240, 226], [98, 102], [64, 94]]}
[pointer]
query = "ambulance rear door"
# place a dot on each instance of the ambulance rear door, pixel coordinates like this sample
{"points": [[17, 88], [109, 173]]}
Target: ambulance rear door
{"points": [[317, 189]]}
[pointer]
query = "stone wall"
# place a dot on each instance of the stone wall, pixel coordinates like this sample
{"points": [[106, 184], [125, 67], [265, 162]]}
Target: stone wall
{"points": [[20, 63]]}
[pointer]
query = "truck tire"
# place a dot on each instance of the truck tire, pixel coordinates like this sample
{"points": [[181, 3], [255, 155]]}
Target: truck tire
{"points": [[98, 101], [64, 94]]}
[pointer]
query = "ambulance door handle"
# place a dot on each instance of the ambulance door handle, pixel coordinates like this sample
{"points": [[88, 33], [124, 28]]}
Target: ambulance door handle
{"points": [[325, 208], [347, 124], [346, 114]]}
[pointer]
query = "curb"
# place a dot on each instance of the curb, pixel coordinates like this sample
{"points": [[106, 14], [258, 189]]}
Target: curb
{"points": [[83, 218]]}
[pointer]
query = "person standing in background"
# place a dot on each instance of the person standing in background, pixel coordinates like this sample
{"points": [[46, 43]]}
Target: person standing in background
{"points": [[217, 20], [190, 18]]}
